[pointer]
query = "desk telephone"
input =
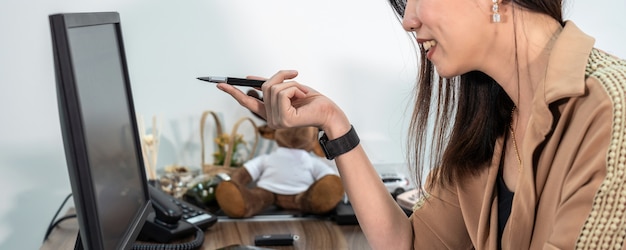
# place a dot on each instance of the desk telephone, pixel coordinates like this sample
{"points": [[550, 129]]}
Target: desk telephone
{"points": [[173, 219]]}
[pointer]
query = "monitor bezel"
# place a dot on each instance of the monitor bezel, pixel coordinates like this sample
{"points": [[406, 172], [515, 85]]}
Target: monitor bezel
{"points": [[74, 134]]}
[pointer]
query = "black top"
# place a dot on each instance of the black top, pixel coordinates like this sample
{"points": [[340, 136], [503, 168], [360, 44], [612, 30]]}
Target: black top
{"points": [[505, 199]]}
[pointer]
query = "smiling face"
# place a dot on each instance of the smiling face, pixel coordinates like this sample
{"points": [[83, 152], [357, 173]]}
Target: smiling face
{"points": [[457, 34]]}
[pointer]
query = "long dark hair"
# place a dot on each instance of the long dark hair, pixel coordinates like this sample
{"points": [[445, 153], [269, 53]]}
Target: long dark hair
{"points": [[457, 139]]}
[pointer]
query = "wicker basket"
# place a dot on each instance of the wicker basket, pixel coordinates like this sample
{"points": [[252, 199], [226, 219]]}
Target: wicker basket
{"points": [[212, 169]]}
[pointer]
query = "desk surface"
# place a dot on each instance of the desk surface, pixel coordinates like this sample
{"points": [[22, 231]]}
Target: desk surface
{"points": [[314, 234]]}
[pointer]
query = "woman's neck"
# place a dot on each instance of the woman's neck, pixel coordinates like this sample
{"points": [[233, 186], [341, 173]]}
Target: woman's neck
{"points": [[520, 62]]}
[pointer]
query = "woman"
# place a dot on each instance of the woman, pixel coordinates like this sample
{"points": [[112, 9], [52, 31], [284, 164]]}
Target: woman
{"points": [[532, 144]]}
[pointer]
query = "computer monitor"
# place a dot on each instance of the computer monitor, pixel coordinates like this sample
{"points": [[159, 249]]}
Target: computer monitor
{"points": [[98, 122]]}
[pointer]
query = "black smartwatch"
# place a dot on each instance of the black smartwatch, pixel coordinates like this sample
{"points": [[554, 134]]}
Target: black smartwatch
{"points": [[340, 145]]}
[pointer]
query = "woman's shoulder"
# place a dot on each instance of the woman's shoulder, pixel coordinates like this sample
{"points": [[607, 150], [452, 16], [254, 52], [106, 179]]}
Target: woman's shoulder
{"points": [[608, 69], [605, 79]]}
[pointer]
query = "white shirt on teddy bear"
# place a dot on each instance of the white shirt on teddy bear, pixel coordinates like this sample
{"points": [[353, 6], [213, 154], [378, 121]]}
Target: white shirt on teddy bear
{"points": [[287, 171]]}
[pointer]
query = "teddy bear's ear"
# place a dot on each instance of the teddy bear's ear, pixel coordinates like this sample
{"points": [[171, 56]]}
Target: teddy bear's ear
{"points": [[267, 132], [256, 95], [317, 150], [264, 130]]}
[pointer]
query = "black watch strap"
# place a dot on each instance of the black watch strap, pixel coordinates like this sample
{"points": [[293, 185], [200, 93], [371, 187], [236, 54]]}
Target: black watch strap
{"points": [[341, 145]]}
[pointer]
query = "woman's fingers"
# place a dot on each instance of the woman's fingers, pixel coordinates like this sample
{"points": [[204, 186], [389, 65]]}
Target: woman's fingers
{"points": [[287, 112], [279, 79], [251, 103], [282, 106], [256, 78], [282, 76], [283, 101]]}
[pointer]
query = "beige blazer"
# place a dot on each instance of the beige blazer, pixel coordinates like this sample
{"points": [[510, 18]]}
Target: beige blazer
{"points": [[572, 189]]}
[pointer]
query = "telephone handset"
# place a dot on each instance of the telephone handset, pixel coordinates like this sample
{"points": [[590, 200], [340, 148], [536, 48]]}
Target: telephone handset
{"points": [[173, 218]]}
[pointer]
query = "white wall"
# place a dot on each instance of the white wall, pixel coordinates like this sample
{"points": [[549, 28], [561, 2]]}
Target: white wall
{"points": [[353, 51]]}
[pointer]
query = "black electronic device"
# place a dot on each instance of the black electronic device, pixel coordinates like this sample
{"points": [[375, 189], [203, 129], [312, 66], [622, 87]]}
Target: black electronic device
{"points": [[112, 197], [344, 214], [275, 239], [173, 218]]}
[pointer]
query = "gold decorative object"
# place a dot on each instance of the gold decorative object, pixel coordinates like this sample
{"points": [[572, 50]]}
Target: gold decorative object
{"points": [[149, 146]]}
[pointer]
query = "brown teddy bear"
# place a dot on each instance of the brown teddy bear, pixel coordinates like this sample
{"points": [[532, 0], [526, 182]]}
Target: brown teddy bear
{"points": [[290, 177]]}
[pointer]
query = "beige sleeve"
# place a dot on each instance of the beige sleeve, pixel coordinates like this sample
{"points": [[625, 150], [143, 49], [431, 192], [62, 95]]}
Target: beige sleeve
{"points": [[438, 222]]}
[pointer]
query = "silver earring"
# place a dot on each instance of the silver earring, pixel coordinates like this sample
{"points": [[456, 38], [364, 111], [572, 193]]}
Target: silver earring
{"points": [[495, 17]]}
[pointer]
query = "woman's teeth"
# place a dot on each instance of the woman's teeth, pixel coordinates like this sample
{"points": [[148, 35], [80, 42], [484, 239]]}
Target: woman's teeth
{"points": [[428, 44]]}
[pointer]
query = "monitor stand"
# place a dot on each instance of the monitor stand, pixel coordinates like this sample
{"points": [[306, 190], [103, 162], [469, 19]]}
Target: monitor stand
{"points": [[79, 243]]}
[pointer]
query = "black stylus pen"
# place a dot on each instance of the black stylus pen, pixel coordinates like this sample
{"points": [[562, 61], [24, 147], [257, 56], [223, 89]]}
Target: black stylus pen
{"points": [[233, 81]]}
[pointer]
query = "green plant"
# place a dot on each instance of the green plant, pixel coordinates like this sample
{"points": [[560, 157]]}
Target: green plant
{"points": [[223, 141]]}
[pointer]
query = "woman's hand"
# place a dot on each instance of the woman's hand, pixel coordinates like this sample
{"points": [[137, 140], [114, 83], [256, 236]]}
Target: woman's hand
{"points": [[287, 103]]}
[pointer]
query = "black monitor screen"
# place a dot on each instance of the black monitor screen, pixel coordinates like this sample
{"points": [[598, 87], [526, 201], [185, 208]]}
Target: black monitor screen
{"points": [[99, 129]]}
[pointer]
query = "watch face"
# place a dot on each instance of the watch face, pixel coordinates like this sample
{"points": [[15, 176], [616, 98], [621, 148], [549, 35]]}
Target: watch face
{"points": [[323, 140]]}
